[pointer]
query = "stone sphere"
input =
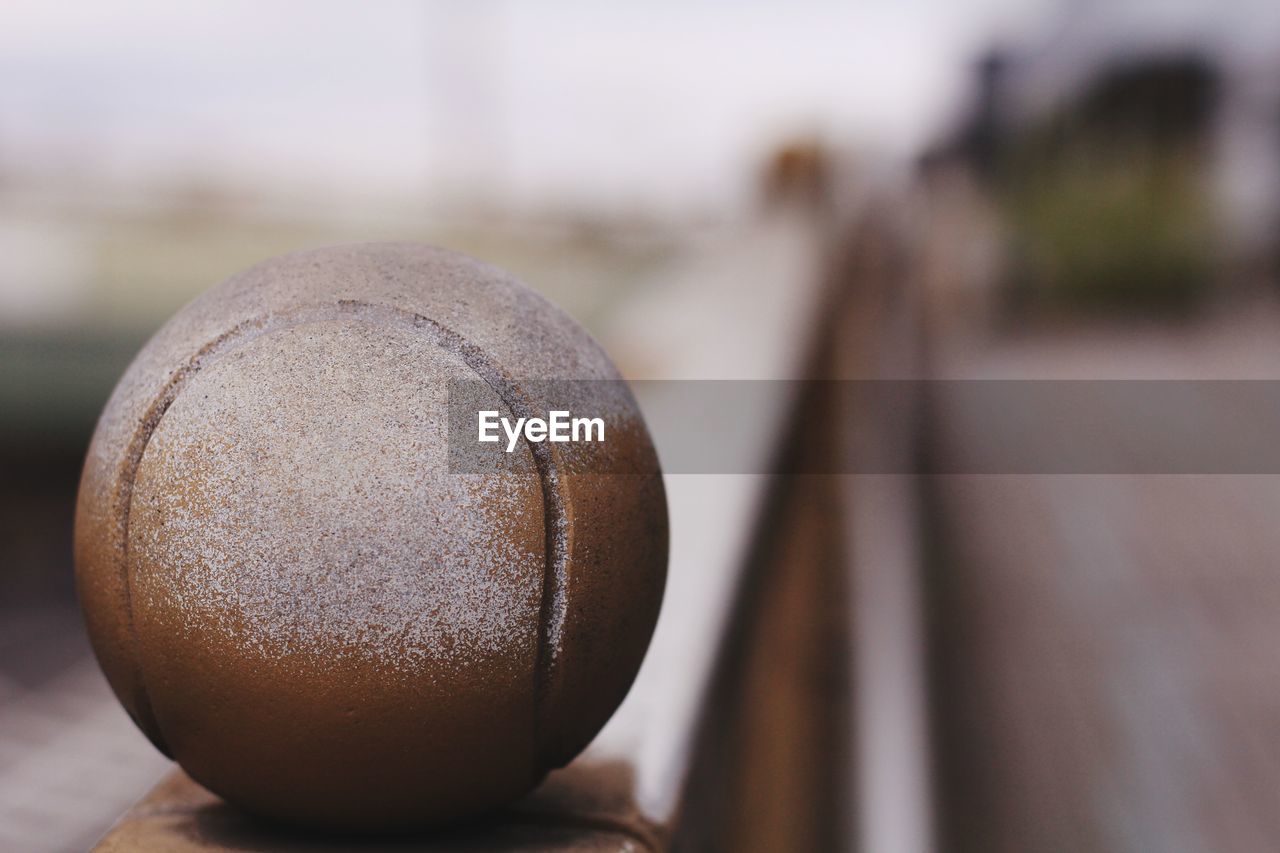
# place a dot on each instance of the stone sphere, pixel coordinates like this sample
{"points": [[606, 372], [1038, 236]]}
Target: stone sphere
{"points": [[300, 596]]}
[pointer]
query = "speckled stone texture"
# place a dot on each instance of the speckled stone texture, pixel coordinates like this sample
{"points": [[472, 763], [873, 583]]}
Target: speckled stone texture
{"points": [[295, 597]]}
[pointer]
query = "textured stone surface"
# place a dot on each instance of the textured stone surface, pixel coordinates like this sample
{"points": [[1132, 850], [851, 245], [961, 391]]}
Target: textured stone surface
{"points": [[295, 598]]}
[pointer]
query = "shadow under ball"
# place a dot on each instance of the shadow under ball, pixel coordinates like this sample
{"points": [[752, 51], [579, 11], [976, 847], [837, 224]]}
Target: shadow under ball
{"points": [[295, 597]]}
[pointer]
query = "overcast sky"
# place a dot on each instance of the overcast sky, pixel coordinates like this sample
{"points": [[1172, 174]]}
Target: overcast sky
{"points": [[659, 103]]}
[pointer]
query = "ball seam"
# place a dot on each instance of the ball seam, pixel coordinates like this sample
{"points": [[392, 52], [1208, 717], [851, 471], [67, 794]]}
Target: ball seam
{"points": [[553, 604]]}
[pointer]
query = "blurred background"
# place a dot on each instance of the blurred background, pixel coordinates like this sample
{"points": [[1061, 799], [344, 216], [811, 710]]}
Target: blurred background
{"points": [[1043, 189]]}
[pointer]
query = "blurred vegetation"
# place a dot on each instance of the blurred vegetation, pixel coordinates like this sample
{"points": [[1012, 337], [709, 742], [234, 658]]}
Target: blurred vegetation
{"points": [[1106, 197], [1113, 229]]}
